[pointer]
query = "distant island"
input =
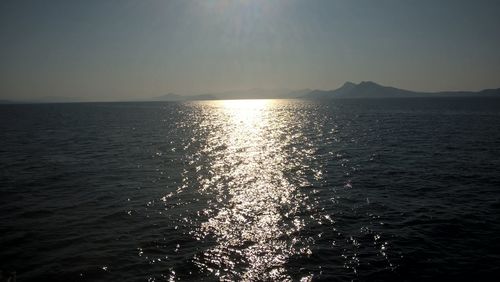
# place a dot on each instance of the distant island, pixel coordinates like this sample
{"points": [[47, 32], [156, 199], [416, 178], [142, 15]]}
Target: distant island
{"points": [[349, 90], [369, 89], [176, 97]]}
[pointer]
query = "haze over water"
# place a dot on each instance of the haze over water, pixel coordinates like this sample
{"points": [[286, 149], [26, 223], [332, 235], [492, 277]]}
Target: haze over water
{"points": [[389, 189], [134, 50]]}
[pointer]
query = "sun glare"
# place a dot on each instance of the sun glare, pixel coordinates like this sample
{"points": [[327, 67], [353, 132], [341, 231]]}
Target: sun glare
{"points": [[245, 112], [247, 104]]}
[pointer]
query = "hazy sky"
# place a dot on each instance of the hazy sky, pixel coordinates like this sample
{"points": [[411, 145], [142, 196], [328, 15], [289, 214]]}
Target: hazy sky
{"points": [[121, 49]]}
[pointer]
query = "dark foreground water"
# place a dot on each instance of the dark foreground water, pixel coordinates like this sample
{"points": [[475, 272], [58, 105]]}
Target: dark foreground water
{"points": [[251, 190]]}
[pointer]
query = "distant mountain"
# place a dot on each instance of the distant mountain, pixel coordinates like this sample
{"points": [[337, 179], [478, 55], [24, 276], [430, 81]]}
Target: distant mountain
{"points": [[254, 93], [326, 94], [365, 89], [169, 97], [295, 94], [202, 97], [489, 92], [176, 97], [369, 89], [50, 100]]}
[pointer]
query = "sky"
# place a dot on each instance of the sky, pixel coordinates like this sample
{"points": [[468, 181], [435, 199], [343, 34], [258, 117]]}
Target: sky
{"points": [[118, 50]]}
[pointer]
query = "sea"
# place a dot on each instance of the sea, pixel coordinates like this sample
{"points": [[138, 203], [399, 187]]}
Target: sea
{"points": [[251, 190]]}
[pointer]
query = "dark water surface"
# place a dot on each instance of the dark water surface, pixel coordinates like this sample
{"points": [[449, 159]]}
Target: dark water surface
{"points": [[404, 189]]}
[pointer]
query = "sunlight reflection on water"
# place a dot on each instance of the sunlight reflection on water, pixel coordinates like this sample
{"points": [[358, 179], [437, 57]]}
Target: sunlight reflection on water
{"points": [[255, 217], [251, 190]]}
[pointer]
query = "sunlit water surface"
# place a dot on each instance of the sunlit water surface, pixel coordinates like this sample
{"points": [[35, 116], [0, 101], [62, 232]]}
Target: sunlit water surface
{"points": [[251, 190]]}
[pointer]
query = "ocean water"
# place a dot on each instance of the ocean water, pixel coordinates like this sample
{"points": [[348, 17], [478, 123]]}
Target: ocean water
{"points": [[255, 190]]}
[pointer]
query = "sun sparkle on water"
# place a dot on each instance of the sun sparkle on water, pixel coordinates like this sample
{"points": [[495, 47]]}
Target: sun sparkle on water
{"points": [[247, 112], [254, 219]]}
